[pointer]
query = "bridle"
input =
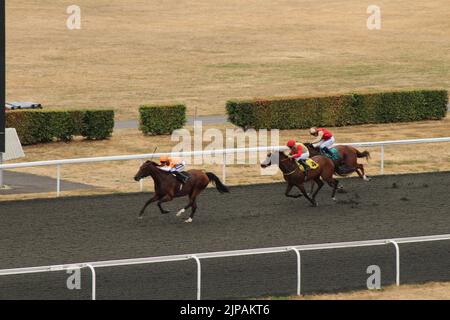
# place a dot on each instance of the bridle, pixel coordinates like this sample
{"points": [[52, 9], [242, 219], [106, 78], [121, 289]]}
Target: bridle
{"points": [[293, 171]]}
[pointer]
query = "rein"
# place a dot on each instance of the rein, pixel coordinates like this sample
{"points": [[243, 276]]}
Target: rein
{"points": [[288, 174]]}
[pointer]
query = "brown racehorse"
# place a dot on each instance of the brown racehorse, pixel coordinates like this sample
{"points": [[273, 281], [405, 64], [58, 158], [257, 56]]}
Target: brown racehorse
{"points": [[348, 163], [168, 187], [295, 177]]}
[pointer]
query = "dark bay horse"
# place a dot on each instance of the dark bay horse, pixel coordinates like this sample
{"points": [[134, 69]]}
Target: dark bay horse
{"points": [[168, 187], [295, 177], [348, 162]]}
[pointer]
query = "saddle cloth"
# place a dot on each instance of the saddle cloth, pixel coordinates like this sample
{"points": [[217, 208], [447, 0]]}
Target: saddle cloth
{"points": [[335, 154], [311, 163]]}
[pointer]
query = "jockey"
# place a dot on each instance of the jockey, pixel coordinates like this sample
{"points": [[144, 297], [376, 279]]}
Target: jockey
{"points": [[300, 153], [324, 140], [175, 166]]}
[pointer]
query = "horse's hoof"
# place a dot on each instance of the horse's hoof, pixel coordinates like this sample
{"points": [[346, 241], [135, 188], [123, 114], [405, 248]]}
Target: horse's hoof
{"points": [[334, 198], [179, 213], [367, 178], [140, 217], [165, 212], [189, 220], [315, 204]]}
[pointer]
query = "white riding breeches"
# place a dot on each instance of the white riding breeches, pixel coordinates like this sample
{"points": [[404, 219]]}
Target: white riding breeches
{"points": [[326, 144], [179, 167], [304, 156]]}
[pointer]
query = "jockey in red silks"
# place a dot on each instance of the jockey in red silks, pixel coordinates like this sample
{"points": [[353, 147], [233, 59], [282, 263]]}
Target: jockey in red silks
{"points": [[300, 153], [324, 140]]}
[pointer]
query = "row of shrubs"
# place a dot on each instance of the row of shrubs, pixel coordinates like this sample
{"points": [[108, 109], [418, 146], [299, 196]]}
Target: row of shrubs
{"points": [[339, 110], [36, 126], [161, 119], [283, 113]]}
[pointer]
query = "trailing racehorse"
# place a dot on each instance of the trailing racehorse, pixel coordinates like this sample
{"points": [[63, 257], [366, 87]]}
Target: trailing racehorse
{"points": [[168, 187], [294, 176], [347, 163]]}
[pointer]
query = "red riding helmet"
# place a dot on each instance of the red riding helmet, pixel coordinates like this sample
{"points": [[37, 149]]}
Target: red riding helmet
{"points": [[291, 143]]}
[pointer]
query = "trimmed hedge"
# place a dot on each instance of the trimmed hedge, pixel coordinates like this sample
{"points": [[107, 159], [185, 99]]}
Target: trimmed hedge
{"points": [[155, 119], [37, 126], [97, 124], [341, 110]]}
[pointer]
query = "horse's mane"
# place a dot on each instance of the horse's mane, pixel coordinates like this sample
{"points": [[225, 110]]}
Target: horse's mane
{"points": [[151, 162]]}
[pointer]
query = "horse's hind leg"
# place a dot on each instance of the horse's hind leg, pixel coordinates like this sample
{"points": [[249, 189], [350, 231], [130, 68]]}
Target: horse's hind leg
{"points": [[361, 173], [153, 199], [193, 209], [334, 183]]}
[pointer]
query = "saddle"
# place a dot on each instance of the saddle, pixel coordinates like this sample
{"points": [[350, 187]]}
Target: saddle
{"points": [[182, 176], [310, 162]]}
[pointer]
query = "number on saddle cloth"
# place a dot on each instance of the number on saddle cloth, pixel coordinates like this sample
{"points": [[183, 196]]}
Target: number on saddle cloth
{"points": [[311, 163]]}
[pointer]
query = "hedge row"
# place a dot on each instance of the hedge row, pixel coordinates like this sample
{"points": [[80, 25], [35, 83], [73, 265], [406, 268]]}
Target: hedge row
{"points": [[36, 126], [155, 119], [341, 110]]}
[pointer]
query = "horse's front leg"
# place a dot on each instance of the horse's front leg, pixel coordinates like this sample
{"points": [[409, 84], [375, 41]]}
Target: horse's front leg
{"points": [[153, 199], [166, 198], [288, 189], [303, 191]]}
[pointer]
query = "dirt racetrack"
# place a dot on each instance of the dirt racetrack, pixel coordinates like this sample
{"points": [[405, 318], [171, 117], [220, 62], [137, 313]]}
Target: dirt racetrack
{"points": [[81, 229]]}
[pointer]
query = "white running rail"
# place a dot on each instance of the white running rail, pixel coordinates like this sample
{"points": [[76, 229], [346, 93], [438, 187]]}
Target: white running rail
{"points": [[59, 163], [236, 253]]}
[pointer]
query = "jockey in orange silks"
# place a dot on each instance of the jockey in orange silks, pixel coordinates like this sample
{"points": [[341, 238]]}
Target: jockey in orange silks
{"points": [[175, 166]]}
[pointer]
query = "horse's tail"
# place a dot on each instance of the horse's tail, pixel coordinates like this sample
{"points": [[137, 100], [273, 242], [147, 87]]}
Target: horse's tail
{"points": [[364, 154], [216, 181]]}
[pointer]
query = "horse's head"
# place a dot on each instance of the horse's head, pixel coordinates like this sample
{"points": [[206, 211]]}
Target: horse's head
{"points": [[312, 150], [145, 170], [273, 158]]}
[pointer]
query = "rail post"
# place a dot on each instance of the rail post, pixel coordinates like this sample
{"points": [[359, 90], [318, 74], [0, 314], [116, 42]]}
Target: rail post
{"points": [[224, 167], [94, 280], [58, 180], [141, 182], [299, 274], [199, 277], [397, 262], [382, 160]]}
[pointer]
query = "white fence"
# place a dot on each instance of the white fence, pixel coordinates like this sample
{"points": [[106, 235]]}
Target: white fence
{"points": [[224, 152], [223, 254]]}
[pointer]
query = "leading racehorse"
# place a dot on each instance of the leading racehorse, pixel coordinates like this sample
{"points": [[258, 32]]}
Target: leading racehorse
{"points": [[294, 176], [347, 162], [168, 187]]}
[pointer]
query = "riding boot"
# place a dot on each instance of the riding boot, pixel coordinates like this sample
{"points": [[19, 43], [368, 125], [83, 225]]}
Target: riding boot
{"points": [[182, 177], [305, 167], [327, 152]]}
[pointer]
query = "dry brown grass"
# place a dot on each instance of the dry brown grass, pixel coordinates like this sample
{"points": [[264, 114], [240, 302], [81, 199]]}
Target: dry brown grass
{"points": [[429, 291], [117, 176], [208, 51]]}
